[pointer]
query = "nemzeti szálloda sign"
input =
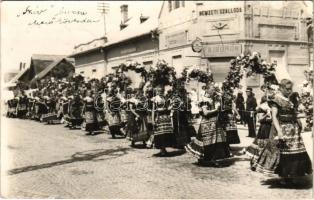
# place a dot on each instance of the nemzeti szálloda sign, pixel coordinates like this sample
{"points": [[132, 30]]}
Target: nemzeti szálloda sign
{"points": [[220, 11]]}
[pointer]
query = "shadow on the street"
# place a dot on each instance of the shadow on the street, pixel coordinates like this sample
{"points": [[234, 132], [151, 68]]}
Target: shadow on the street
{"points": [[91, 155], [300, 183], [171, 153], [178, 152], [222, 163], [98, 132], [139, 146]]}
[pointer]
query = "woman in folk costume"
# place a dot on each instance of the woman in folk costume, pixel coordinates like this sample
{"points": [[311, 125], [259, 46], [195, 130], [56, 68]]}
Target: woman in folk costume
{"points": [[181, 115], [100, 106], [31, 107], [22, 105], [163, 133], [240, 107], [114, 119], [51, 105], [12, 104], [148, 91], [59, 103], [65, 110], [210, 143], [265, 120], [229, 116], [285, 153], [137, 120], [42, 107], [90, 114], [75, 112], [123, 95]]}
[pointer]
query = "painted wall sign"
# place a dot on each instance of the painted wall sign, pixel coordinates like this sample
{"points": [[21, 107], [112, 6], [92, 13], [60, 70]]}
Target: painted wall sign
{"points": [[173, 40], [220, 11], [219, 50]]}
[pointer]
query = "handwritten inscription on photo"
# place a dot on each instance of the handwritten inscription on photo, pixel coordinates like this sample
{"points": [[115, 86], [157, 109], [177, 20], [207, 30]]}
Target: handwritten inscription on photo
{"points": [[54, 15]]}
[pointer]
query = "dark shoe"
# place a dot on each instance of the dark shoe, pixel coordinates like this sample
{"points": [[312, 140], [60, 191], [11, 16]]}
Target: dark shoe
{"points": [[132, 144], [89, 133]]}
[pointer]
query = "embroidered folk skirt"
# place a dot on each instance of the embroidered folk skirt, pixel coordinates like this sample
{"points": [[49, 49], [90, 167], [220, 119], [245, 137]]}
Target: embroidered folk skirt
{"points": [[137, 129], [101, 119], [183, 129], [49, 117], [294, 160], [232, 135], [210, 142], [76, 118], [253, 151], [22, 110], [114, 122], [163, 134], [289, 159], [91, 121]]}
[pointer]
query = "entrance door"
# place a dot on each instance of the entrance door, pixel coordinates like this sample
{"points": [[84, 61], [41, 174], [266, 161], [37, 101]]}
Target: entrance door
{"points": [[281, 69], [177, 64]]}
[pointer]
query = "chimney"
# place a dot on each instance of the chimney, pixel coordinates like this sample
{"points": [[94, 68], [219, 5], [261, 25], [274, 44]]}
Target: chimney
{"points": [[21, 65], [124, 13], [24, 65], [122, 26], [143, 19]]}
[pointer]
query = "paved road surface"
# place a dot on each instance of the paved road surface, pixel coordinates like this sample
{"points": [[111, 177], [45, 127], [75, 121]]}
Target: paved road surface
{"points": [[50, 161]]}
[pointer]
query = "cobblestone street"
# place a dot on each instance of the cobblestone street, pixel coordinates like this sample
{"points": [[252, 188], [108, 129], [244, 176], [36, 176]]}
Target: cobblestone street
{"points": [[50, 161]]}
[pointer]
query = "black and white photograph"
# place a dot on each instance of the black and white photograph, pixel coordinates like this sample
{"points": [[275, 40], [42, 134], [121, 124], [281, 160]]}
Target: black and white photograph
{"points": [[156, 99]]}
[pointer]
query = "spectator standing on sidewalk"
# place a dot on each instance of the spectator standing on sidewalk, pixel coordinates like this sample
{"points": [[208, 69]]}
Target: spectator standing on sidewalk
{"points": [[251, 112], [240, 107]]}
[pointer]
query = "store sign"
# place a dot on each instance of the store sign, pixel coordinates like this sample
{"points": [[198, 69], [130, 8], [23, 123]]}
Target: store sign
{"points": [[176, 39], [219, 50], [128, 50], [220, 11]]}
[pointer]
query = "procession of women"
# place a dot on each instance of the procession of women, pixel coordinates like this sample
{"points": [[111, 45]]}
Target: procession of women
{"points": [[187, 111]]}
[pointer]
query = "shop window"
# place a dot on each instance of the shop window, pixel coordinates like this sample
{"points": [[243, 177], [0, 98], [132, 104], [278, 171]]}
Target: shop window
{"points": [[94, 70], [81, 72], [177, 63]]}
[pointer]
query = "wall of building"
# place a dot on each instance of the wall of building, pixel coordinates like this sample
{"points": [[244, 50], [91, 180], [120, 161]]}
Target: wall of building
{"points": [[92, 70], [142, 50]]}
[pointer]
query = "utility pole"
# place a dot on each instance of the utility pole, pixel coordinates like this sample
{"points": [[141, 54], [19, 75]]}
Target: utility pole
{"points": [[103, 8]]}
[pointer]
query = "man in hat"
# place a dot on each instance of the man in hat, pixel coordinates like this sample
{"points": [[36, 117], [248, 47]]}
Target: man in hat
{"points": [[251, 112]]}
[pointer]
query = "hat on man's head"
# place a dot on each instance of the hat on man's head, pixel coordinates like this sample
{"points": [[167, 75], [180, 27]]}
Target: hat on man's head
{"points": [[249, 89]]}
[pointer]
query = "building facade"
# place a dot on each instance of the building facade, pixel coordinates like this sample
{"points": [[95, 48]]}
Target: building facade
{"points": [[230, 29], [132, 43], [227, 29]]}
